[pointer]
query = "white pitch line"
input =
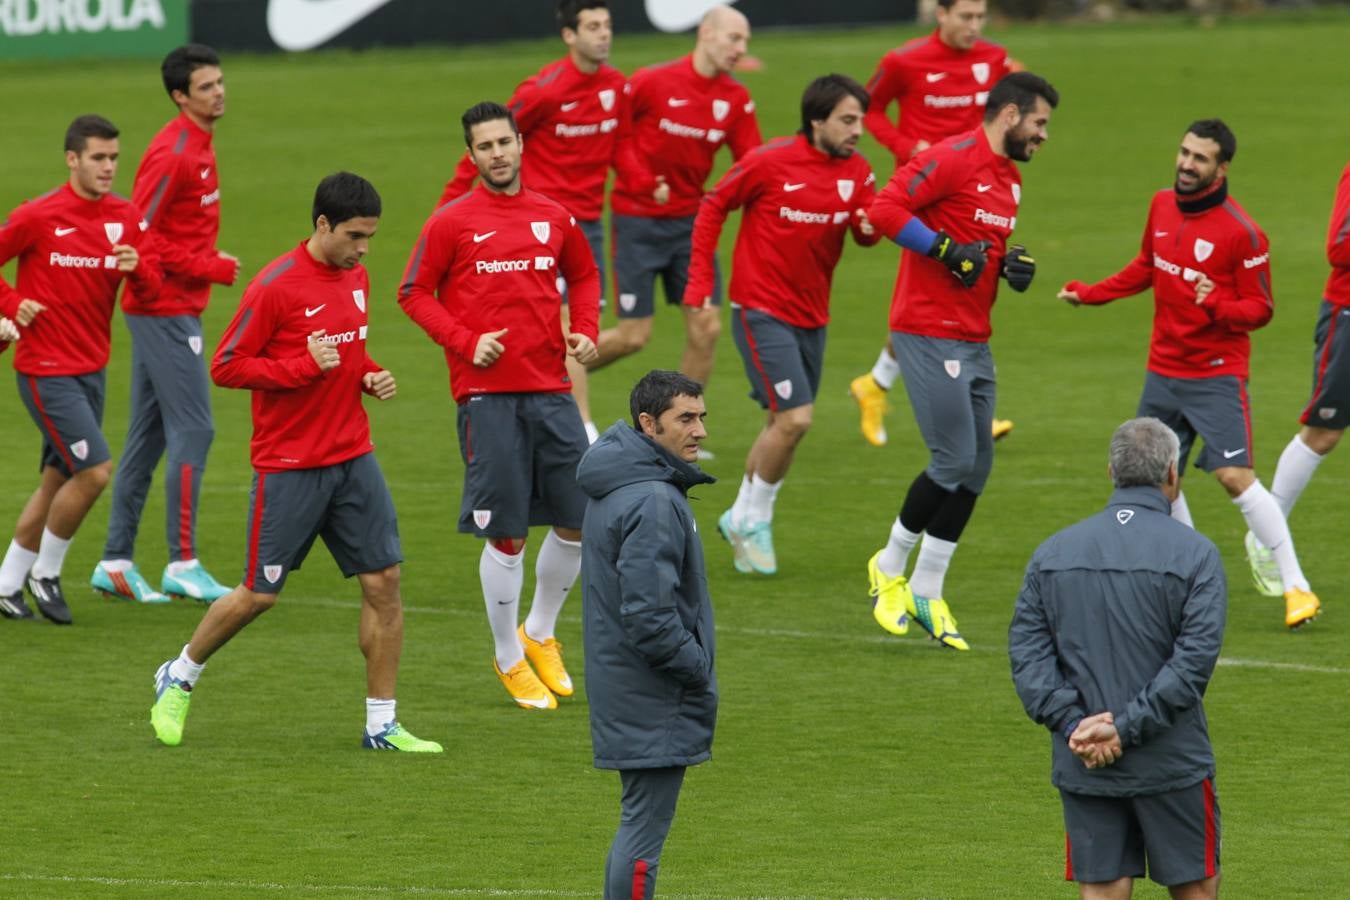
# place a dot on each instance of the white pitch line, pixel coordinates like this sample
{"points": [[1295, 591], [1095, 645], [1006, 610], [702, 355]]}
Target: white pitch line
{"points": [[1286, 666]]}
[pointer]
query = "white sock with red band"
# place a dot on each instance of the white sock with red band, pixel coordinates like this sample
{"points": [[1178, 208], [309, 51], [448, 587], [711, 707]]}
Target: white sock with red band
{"points": [[502, 576]]}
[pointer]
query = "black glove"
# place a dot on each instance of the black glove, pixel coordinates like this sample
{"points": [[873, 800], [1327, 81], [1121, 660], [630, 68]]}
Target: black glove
{"points": [[1019, 268], [965, 261]]}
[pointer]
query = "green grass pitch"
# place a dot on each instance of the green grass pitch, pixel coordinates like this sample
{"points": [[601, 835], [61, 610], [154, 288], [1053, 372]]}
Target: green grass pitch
{"points": [[847, 763]]}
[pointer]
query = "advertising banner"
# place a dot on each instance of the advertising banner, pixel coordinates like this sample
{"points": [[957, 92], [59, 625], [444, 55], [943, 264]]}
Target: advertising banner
{"points": [[57, 29]]}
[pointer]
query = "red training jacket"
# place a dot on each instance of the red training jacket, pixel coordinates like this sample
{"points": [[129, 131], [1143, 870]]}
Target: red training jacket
{"points": [[1338, 244]]}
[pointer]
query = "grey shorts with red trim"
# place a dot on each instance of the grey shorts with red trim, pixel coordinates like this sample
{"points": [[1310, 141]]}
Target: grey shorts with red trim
{"points": [[1216, 410], [68, 411], [782, 362], [1330, 403], [645, 249]]}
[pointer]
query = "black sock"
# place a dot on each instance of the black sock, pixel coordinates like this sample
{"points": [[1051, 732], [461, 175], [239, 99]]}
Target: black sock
{"points": [[925, 498], [950, 520]]}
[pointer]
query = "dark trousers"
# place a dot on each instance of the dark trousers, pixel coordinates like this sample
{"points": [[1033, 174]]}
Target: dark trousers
{"points": [[648, 808]]}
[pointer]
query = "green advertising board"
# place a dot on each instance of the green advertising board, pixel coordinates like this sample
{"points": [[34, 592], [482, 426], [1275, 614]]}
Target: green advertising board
{"points": [[91, 29]]}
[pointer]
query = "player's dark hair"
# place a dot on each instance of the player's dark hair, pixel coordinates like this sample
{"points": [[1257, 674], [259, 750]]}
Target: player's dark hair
{"points": [[1022, 89], [1216, 131], [569, 11], [342, 196], [85, 127], [823, 95], [181, 62], [487, 111], [656, 392]]}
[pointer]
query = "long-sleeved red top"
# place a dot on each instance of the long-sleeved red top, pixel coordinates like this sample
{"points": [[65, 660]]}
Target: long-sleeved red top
{"points": [[303, 417], [799, 203], [574, 126], [64, 245], [178, 188], [1221, 242], [941, 91], [1338, 244], [960, 186], [680, 119], [489, 261]]}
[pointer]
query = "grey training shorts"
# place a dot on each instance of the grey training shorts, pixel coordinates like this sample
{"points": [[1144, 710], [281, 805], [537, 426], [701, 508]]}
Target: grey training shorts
{"points": [[1215, 409], [1330, 403], [782, 361], [645, 248], [68, 411]]}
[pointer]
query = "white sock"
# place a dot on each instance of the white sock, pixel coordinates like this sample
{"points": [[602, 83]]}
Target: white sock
{"points": [[935, 555], [18, 560], [379, 715], [51, 555], [895, 557], [762, 496], [1297, 464], [1267, 523], [885, 371], [179, 566], [116, 565], [592, 433], [741, 507], [1181, 512], [184, 669], [502, 577], [555, 571]]}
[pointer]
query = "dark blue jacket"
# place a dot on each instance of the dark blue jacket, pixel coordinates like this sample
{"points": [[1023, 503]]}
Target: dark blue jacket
{"points": [[1123, 612], [647, 617]]}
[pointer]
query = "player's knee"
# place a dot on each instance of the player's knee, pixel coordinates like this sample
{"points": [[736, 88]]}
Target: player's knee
{"points": [[794, 423], [1234, 479], [634, 334], [704, 331], [1321, 440], [190, 446], [254, 603], [96, 478]]}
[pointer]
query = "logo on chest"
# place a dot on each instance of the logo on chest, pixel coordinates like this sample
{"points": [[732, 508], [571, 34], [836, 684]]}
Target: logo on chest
{"points": [[1203, 249]]}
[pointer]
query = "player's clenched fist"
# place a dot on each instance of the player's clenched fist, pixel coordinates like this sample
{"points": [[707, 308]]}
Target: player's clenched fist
{"points": [[582, 348], [379, 385], [127, 257], [325, 355], [1019, 268], [965, 261], [489, 348], [28, 311], [8, 330]]}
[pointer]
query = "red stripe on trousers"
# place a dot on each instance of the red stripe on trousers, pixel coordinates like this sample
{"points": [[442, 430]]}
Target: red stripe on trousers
{"points": [[754, 358], [252, 570], [1210, 836], [51, 429], [1247, 421], [1068, 858], [1322, 365], [185, 514], [640, 879]]}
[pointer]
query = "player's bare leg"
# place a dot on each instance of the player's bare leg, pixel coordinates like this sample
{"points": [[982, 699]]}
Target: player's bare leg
{"points": [[702, 327], [627, 337], [1320, 440], [748, 525], [224, 619], [33, 518], [72, 500], [1267, 523], [1207, 889], [576, 373], [1107, 890], [381, 630]]}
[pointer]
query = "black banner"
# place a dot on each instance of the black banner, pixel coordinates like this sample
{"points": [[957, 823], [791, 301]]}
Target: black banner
{"points": [[299, 25]]}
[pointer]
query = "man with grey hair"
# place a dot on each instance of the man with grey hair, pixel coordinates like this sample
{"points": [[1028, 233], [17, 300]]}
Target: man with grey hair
{"points": [[1113, 641]]}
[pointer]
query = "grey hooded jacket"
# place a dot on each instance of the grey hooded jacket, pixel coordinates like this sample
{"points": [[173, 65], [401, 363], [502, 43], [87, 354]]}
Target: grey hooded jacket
{"points": [[647, 617], [1125, 612]]}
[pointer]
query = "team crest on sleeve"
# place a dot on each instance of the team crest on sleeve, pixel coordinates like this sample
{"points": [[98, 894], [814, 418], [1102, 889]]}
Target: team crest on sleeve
{"points": [[783, 388], [720, 109], [953, 367], [80, 449], [541, 231], [607, 99], [1203, 249], [359, 296], [1017, 193], [481, 518], [980, 71], [113, 230], [845, 186], [272, 573], [1123, 516], [195, 344]]}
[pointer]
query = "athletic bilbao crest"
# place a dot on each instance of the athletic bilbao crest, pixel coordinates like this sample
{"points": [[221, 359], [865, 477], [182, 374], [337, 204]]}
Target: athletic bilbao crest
{"points": [[1327, 413], [113, 230], [1203, 249], [720, 109], [628, 302], [80, 449], [360, 297], [272, 573], [784, 389], [953, 367], [1123, 516], [1017, 193], [195, 344], [541, 231], [481, 518], [607, 99], [980, 71], [845, 186]]}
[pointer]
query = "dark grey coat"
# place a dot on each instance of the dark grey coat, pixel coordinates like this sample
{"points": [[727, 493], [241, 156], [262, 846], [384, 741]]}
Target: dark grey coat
{"points": [[1123, 612], [647, 617]]}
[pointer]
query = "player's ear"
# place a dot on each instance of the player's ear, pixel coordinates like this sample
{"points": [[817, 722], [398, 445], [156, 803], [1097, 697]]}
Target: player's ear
{"points": [[648, 423], [321, 224]]}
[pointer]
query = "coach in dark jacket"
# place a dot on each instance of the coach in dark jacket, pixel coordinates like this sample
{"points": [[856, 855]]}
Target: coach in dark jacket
{"points": [[647, 617], [1114, 638]]}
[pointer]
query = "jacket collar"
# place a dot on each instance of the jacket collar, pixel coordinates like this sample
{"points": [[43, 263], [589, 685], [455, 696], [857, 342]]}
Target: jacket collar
{"points": [[1146, 496]]}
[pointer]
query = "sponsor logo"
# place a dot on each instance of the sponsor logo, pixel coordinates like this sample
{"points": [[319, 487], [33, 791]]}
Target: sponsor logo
{"points": [[687, 131], [541, 231], [789, 187], [994, 219], [802, 216], [495, 266], [543, 263], [359, 296], [342, 337], [1123, 516], [605, 127], [953, 367], [628, 302], [983, 187], [80, 449], [1229, 454], [845, 186], [206, 173], [1017, 194], [272, 573], [980, 71], [606, 99], [981, 98], [1158, 234], [114, 231], [933, 77], [840, 218], [195, 344], [1189, 274], [935, 102], [67, 261], [310, 313], [783, 388], [481, 517], [1327, 412], [715, 135], [1170, 268], [23, 19], [720, 109], [305, 24], [1203, 249], [675, 102], [62, 232], [568, 107], [1256, 261], [479, 238], [213, 197], [363, 331]]}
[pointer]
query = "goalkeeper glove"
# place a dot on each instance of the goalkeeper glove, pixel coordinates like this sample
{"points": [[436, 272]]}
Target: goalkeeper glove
{"points": [[1019, 268], [965, 261]]}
